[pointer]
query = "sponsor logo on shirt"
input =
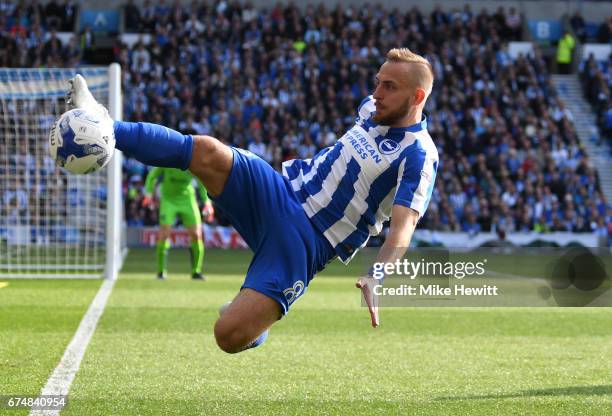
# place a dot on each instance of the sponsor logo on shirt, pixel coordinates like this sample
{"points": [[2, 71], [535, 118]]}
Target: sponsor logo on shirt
{"points": [[363, 147], [388, 147]]}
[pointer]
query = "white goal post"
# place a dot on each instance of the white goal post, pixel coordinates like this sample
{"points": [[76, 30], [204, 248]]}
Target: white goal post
{"points": [[54, 224]]}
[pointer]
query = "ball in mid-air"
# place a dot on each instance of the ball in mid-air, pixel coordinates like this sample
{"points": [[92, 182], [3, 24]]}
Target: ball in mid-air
{"points": [[82, 141]]}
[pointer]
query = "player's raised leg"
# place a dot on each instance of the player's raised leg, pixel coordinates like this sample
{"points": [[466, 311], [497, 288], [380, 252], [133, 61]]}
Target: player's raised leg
{"points": [[156, 145], [212, 163], [244, 323]]}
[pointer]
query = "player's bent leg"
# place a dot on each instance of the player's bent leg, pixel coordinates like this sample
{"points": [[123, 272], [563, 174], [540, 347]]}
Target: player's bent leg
{"points": [[206, 157], [211, 162], [248, 316]]}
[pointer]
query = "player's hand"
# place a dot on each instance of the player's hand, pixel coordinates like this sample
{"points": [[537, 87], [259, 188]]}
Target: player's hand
{"points": [[148, 201], [367, 284], [208, 212]]}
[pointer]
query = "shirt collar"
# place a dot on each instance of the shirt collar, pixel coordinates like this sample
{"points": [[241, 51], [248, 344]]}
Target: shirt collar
{"points": [[399, 132], [415, 128]]}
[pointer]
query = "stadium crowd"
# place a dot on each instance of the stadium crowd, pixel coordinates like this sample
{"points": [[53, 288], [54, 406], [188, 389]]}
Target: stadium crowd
{"points": [[596, 82], [285, 82], [28, 34]]}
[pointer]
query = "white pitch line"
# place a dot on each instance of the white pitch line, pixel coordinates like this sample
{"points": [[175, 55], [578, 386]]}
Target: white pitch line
{"points": [[60, 381]]}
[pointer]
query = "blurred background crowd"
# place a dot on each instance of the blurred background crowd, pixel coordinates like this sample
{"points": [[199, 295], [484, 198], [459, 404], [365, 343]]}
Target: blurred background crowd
{"points": [[285, 82]]}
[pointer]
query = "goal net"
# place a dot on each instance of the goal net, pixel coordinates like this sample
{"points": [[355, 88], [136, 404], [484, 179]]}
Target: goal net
{"points": [[53, 223]]}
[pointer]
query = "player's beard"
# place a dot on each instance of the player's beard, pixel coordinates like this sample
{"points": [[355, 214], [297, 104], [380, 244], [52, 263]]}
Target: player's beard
{"points": [[394, 116]]}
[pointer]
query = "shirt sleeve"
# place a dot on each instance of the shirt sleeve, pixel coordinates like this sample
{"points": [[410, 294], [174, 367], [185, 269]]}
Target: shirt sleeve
{"points": [[365, 110], [416, 179], [203, 192], [152, 180]]}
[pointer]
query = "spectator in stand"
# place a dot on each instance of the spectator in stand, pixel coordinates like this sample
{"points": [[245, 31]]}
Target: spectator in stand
{"points": [[87, 42], [604, 33], [53, 15], [131, 15], [578, 26], [565, 51], [513, 24], [596, 80], [607, 121], [69, 13]]}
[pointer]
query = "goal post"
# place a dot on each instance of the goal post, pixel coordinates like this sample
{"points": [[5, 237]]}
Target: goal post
{"points": [[54, 224], [115, 241]]}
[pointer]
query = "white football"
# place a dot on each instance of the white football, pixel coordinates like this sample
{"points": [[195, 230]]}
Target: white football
{"points": [[82, 141]]}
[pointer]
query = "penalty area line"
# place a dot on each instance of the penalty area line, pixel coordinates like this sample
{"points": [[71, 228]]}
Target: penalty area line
{"points": [[61, 379]]}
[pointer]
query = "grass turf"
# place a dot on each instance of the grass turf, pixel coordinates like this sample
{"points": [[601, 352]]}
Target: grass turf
{"points": [[38, 318], [153, 353]]}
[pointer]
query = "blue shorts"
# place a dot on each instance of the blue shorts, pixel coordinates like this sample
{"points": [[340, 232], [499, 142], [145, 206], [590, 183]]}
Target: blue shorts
{"points": [[262, 207]]}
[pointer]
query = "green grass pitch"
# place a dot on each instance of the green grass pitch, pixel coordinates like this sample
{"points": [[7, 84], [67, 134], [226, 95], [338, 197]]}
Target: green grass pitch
{"points": [[154, 353]]}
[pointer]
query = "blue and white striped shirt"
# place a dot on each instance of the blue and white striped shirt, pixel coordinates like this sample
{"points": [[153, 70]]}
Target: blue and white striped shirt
{"points": [[347, 190]]}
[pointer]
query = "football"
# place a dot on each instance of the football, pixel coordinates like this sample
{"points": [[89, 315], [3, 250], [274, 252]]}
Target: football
{"points": [[81, 141]]}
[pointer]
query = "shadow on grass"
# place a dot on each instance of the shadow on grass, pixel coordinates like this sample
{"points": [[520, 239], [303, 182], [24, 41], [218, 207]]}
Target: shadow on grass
{"points": [[556, 391]]}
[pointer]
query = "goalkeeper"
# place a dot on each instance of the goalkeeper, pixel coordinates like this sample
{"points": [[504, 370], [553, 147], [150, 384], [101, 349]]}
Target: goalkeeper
{"points": [[178, 199]]}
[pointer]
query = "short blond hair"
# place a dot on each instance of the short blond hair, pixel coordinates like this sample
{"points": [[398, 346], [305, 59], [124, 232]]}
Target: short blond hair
{"points": [[423, 76]]}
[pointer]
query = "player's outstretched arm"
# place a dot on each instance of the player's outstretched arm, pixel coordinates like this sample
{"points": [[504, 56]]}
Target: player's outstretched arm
{"points": [[152, 180], [403, 224]]}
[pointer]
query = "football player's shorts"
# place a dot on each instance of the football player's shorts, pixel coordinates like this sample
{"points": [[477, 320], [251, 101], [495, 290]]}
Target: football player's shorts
{"points": [[288, 249], [185, 208]]}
